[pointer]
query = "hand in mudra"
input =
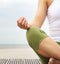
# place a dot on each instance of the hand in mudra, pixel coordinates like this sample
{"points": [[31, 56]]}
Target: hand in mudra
{"points": [[22, 23], [53, 61]]}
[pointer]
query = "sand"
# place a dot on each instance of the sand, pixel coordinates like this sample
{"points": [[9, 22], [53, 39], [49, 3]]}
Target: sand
{"points": [[17, 53]]}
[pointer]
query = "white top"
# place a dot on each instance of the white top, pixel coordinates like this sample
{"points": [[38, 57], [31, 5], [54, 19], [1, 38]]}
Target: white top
{"points": [[53, 15]]}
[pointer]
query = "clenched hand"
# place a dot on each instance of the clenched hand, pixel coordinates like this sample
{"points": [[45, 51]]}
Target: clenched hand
{"points": [[22, 23]]}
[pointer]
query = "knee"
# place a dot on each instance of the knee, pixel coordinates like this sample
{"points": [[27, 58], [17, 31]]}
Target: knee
{"points": [[34, 36]]}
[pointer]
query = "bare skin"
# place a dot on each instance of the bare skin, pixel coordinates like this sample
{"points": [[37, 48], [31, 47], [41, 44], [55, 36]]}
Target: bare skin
{"points": [[48, 47], [53, 61]]}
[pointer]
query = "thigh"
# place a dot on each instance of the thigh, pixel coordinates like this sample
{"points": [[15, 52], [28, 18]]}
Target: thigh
{"points": [[58, 43], [34, 38], [50, 48], [43, 60], [38, 39]]}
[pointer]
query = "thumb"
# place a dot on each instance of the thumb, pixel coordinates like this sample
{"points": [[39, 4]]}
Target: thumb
{"points": [[28, 26]]}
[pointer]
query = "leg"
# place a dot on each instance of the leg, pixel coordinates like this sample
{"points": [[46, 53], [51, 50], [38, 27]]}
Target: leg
{"points": [[42, 44], [54, 61], [49, 48], [34, 36]]}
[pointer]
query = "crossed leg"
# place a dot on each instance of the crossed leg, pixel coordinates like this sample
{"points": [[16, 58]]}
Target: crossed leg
{"points": [[49, 48], [43, 45]]}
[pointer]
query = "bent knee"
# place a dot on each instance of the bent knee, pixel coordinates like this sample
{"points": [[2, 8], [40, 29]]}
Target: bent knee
{"points": [[35, 36]]}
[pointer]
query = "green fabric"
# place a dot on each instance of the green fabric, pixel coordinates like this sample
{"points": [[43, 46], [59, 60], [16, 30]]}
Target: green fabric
{"points": [[34, 36]]}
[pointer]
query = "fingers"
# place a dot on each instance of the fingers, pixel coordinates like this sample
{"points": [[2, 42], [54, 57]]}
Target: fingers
{"points": [[19, 21], [52, 61], [22, 23]]}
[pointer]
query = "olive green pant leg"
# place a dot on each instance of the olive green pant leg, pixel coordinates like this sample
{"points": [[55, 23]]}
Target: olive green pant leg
{"points": [[34, 37]]}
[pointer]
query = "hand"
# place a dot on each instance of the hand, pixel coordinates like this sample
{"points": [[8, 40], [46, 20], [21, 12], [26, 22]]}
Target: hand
{"points": [[22, 23], [53, 61]]}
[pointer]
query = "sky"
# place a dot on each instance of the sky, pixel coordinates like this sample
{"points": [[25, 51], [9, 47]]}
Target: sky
{"points": [[10, 11]]}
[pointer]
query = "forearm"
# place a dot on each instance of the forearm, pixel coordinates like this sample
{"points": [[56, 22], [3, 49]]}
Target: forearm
{"points": [[34, 23], [37, 21]]}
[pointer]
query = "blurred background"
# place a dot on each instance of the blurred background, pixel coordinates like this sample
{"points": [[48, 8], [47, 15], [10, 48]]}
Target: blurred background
{"points": [[10, 11], [11, 34]]}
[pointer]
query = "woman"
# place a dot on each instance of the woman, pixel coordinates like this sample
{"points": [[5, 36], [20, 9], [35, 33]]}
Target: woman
{"points": [[45, 46]]}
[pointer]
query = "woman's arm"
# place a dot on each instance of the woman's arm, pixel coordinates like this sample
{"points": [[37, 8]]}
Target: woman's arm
{"points": [[40, 14], [38, 19], [48, 47]]}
